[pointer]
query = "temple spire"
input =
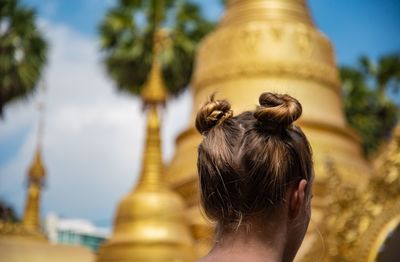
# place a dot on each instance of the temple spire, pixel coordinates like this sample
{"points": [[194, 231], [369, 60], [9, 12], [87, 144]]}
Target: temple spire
{"points": [[154, 93], [150, 223], [152, 168], [35, 179]]}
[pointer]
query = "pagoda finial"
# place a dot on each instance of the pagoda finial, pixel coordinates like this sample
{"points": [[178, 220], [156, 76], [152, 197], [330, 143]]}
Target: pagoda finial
{"points": [[36, 175], [152, 168], [154, 91]]}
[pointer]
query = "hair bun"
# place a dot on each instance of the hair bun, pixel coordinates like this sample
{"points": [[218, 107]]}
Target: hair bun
{"points": [[277, 111], [212, 113]]}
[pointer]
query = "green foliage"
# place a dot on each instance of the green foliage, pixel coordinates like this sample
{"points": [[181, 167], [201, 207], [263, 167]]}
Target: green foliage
{"points": [[127, 34], [22, 52], [369, 109]]}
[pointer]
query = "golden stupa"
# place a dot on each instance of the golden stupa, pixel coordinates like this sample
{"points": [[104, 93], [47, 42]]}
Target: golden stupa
{"points": [[35, 180], [150, 222], [274, 45], [25, 241]]}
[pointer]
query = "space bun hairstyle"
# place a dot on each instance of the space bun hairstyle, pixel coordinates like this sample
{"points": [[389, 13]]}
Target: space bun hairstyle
{"points": [[277, 112], [246, 163], [213, 113]]}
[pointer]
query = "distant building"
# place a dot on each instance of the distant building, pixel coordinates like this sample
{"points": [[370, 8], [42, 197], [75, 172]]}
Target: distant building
{"points": [[74, 232]]}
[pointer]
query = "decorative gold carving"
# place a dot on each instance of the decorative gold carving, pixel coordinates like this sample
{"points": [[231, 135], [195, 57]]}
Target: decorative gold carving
{"points": [[251, 38], [303, 37], [308, 71], [359, 219], [276, 32], [255, 49]]}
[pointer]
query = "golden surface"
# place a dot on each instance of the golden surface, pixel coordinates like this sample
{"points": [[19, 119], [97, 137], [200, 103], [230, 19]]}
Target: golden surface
{"points": [[359, 220], [273, 45], [36, 175], [155, 91], [150, 224], [23, 249]]}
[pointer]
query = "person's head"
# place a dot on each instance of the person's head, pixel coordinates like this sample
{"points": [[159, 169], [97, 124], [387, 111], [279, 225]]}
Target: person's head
{"points": [[255, 167]]}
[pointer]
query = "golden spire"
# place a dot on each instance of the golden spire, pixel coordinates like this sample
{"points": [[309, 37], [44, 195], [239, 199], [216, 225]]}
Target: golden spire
{"points": [[150, 223], [31, 218], [152, 157], [154, 91], [36, 175]]}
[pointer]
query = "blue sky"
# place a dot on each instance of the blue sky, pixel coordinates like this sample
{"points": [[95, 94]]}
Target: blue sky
{"points": [[94, 136], [355, 27]]}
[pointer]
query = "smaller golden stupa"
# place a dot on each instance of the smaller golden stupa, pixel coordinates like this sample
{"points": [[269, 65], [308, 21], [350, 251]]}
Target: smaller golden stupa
{"points": [[150, 223], [30, 225], [25, 241], [36, 177]]}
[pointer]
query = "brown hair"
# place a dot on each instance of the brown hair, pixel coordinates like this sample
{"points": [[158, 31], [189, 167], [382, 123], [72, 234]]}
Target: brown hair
{"points": [[247, 162]]}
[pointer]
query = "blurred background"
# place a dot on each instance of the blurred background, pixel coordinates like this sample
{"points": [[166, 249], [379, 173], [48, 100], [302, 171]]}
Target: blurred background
{"points": [[93, 125]]}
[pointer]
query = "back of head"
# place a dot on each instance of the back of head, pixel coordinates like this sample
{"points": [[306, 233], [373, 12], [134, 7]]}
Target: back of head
{"points": [[246, 163]]}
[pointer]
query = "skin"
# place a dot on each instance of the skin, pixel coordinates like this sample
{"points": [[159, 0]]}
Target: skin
{"points": [[276, 239]]}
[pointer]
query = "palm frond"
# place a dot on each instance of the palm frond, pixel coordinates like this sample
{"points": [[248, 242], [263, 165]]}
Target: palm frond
{"points": [[23, 52], [369, 109], [127, 41]]}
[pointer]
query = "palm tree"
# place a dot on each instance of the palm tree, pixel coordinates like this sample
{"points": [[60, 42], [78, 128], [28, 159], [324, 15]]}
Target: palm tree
{"points": [[22, 52], [128, 32], [368, 107], [386, 72]]}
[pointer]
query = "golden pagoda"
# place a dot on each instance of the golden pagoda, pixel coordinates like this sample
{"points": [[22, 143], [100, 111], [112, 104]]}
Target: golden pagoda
{"points": [[274, 45], [150, 222], [25, 241]]}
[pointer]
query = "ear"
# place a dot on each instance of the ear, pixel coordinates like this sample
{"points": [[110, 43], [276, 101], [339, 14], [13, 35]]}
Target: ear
{"points": [[297, 199]]}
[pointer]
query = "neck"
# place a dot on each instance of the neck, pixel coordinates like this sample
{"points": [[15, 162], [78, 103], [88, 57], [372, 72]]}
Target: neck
{"points": [[252, 242]]}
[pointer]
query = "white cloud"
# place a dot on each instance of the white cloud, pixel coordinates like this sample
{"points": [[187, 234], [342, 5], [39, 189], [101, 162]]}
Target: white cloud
{"points": [[93, 135]]}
